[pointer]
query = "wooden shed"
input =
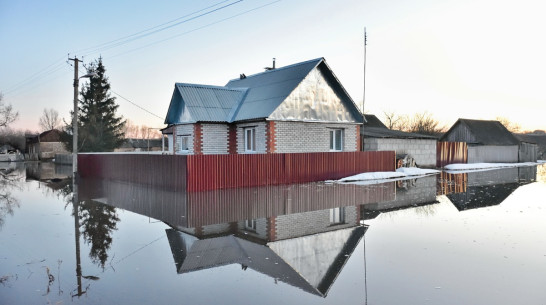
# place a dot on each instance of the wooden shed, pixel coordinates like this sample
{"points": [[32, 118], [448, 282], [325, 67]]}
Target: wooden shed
{"points": [[489, 142]]}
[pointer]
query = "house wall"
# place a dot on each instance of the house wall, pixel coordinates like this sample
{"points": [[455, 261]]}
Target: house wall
{"points": [[422, 150], [49, 149], [459, 133], [301, 224], [214, 139], [293, 137], [260, 136], [184, 130], [493, 154]]}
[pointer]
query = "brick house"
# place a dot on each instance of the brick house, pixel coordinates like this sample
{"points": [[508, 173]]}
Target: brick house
{"points": [[298, 108]]}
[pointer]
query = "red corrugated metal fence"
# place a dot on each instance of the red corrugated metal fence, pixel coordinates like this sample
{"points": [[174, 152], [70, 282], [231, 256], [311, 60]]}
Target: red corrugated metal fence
{"points": [[210, 172]]}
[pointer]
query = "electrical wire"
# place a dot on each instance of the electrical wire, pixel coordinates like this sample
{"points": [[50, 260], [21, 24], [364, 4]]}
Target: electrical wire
{"points": [[123, 42], [134, 104], [152, 28], [196, 29]]}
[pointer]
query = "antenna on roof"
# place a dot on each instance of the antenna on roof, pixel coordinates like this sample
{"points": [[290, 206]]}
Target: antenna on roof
{"points": [[271, 68]]}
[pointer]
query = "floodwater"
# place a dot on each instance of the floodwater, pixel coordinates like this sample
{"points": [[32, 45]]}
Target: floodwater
{"points": [[475, 238]]}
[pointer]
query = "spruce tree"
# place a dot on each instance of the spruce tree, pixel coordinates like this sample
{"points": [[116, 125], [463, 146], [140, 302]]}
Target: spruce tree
{"points": [[99, 128]]}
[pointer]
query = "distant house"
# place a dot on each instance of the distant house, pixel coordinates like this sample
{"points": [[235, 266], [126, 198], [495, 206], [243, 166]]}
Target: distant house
{"points": [[136, 145], [488, 141], [297, 108], [45, 145], [376, 137]]}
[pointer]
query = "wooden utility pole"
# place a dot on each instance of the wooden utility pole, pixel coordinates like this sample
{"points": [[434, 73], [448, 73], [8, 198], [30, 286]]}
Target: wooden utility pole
{"points": [[75, 120], [364, 91]]}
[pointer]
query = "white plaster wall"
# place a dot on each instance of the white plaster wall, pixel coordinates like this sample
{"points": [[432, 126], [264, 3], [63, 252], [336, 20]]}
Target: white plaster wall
{"points": [[184, 130], [293, 137], [215, 139], [422, 150]]}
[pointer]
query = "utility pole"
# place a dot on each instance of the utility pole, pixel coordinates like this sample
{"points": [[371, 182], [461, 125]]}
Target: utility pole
{"points": [[75, 120], [364, 92]]}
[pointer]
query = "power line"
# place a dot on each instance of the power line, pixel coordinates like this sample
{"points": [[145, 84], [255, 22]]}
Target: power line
{"points": [[152, 28], [54, 67], [134, 104], [196, 29], [120, 43]]}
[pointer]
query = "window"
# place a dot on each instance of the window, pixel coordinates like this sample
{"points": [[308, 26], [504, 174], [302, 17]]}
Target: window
{"points": [[337, 215], [336, 139], [250, 139], [183, 143], [250, 225]]}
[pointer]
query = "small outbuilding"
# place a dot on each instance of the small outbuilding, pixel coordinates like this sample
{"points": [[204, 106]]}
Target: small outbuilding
{"points": [[45, 145], [489, 142], [375, 136]]}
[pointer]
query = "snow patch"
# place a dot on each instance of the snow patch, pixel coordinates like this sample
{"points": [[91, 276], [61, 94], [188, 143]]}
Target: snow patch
{"points": [[403, 172], [459, 168]]}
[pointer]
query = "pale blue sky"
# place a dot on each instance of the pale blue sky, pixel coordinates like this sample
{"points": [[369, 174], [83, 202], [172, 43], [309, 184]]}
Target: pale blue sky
{"points": [[471, 59]]}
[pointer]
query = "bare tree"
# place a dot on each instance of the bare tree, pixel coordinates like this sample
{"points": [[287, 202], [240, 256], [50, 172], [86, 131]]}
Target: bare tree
{"points": [[49, 119], [424, 123], [140, 131], [393, 120], [511, 126], [7, 114]]}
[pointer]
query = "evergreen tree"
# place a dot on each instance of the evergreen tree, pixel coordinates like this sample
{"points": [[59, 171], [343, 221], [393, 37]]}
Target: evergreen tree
{"points": [[99, 128]]}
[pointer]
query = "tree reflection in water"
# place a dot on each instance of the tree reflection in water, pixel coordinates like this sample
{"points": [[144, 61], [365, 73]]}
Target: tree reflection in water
{"points": [[97, 222], [9, 179]]}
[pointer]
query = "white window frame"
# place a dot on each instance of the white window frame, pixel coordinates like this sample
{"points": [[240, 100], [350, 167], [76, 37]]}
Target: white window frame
{"points": [[249, 134], [250, 225], [337, 216], [336, 134], [181, 140]]}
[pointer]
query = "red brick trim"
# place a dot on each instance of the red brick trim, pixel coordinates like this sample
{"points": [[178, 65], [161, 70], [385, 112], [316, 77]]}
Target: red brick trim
{"points": [[358, 139], [232, 139], [270, 133], [197, 139], [271, 229]]}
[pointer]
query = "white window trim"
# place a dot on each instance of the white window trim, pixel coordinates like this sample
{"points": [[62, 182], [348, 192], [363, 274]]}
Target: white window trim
{"points": [[252, 138], [332, 138], [180, 140], [337, 216]]}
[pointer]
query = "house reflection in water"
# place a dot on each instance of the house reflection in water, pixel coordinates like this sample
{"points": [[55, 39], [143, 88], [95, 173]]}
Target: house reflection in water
{"points": [[298, 234], [301, 234], [484, 188]]}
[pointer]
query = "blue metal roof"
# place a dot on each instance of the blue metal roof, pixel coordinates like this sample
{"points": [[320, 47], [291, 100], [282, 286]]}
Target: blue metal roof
{"points": [[201, 103], [254, 97], [267, 90]]}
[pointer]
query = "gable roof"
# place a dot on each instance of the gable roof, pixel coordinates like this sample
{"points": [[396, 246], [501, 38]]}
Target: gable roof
{"points": [[252, 97], [374, 128], [486, 132]]}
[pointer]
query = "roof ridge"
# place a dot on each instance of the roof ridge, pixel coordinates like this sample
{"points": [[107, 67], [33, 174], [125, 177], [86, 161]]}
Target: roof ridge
{"points": [[241, 89], [281, 68]]}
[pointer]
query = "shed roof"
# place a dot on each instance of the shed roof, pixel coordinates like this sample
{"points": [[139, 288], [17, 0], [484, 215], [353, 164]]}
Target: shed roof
{"points": [[373, 121], [379, 132], [486, 132]]}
